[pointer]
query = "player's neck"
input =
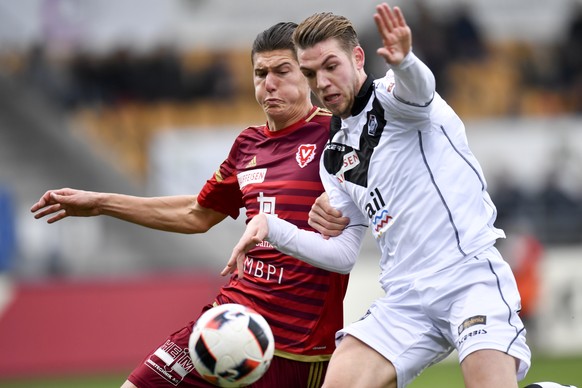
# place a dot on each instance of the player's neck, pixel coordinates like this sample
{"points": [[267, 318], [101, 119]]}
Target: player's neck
{"points": [[296, 114]]}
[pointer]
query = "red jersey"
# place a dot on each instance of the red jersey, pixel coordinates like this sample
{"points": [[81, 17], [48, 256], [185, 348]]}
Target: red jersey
{"points": [[278, 173]]}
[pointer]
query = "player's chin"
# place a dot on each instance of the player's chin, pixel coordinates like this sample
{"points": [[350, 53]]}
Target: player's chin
{"points": [[337, 107], [274, 108]]}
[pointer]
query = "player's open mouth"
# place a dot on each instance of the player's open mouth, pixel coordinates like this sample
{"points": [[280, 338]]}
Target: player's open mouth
{"points": [[332, 98]]}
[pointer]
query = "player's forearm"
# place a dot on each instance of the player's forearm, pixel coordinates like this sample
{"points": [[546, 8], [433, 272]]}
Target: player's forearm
{"points": [[337, 254], [163, 213], [415, 83]]}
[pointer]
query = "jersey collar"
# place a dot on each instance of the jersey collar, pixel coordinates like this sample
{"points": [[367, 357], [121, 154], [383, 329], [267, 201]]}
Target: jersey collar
{"points": [[363, 96], [282, 132]]}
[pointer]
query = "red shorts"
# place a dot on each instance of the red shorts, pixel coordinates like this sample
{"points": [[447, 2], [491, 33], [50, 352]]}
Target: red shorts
{"points": [[169, 365]]}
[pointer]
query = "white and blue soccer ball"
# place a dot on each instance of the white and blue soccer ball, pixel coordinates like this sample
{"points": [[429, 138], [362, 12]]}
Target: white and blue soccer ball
{"points": [[231, 345], [548, 384]]}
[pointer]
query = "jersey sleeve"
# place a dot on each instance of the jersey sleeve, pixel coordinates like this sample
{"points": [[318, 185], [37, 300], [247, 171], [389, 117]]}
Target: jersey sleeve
{"points": [[222, 192], [337, 254], [415, 83], [408, 89]]}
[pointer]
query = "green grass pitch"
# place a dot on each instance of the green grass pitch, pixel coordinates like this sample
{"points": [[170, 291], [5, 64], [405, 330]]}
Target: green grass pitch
{"points": [[565, 370]]}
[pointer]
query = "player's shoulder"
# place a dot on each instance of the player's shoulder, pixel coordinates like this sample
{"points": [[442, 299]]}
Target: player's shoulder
{"points": [[252, 131], [386, 84], [321, 116], [323, 112], [249, 135]]}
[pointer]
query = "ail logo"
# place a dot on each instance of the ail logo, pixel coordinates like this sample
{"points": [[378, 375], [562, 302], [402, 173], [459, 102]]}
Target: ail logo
{"points": [[305, 154], [381, 219]]}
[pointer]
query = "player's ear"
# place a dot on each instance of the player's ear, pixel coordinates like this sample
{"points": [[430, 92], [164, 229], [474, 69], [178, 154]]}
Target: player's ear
{"points": [[359, 57]]}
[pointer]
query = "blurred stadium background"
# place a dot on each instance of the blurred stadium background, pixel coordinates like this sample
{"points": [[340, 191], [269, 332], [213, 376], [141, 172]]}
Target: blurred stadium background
{"points": [[145, 96]]}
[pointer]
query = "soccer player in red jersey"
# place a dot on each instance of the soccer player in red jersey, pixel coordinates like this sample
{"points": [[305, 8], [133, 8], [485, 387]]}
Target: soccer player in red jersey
{"points": [[273, 168]]}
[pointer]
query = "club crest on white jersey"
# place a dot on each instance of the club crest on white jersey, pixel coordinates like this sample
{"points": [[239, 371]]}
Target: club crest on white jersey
{"points": [[372, 125]]}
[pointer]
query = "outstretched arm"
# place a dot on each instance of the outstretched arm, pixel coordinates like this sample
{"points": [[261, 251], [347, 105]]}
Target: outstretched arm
{"points": [[336, 254], [180, 214]]}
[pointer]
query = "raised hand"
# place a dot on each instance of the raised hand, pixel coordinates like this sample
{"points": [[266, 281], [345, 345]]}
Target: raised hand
{"points": [[63, 203], [395, 33]]}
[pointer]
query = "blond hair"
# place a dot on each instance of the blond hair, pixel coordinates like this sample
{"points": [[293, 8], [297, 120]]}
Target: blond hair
{"points": [[323, 26]]}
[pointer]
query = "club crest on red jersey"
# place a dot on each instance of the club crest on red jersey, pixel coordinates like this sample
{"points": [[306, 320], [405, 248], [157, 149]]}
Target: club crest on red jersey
{"points": [[305, 154]]}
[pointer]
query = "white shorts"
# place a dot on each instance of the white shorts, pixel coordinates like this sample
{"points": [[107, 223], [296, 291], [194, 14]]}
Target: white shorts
{"points": [[470, 307]]}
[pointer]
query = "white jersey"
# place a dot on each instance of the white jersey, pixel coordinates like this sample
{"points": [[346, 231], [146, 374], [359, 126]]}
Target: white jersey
{"points": [[400, 164], [387, 160], [392, 158]]}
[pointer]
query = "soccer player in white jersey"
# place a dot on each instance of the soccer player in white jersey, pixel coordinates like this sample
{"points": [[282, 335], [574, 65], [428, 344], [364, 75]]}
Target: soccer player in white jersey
{"points": [[398, 161]]}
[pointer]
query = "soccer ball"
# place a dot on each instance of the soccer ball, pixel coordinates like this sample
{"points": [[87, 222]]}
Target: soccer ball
{"points": [[231, 345], [548, 384]]}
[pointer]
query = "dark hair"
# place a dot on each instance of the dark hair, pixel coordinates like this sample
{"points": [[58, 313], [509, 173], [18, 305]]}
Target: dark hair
{"points": [[277, 37], [323, 26]]}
